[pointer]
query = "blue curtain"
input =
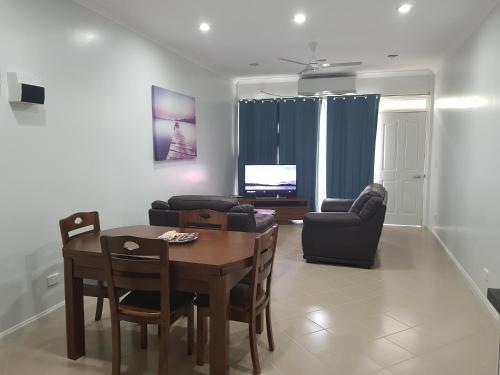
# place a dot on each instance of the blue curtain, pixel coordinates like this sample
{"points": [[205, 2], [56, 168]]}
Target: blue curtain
{"points": [[351, 135], [258, 135], [298, 141]]}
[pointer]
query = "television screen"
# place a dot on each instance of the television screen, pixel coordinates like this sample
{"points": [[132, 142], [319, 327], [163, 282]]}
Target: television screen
{"points": [[270, 180]]}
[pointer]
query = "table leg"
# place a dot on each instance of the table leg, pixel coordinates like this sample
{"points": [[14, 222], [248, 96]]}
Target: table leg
{"points": [[75, 325], [219, 325]]}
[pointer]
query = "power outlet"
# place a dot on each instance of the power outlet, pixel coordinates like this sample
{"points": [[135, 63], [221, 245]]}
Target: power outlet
{"points": [[486, 275], [53, 279]]}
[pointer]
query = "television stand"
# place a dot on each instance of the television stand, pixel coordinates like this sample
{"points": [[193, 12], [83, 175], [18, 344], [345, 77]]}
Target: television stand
{"points": [[286, 208]]}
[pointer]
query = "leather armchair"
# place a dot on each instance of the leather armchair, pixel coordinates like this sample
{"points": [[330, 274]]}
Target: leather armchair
{"points": [[346, 231]]}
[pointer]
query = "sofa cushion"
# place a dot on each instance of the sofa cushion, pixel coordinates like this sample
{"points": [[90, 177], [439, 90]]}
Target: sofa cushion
{"points": [[264, 219], [198, 202], [336, 205], [160, 205], [371, 191], [370, 208]]}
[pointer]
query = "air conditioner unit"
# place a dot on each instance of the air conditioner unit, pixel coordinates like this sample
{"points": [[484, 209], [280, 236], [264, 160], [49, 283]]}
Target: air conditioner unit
{"points": [[321, 85], [25, 88]]}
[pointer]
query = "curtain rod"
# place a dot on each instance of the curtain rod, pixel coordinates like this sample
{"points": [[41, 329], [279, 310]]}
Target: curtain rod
{"points": [[294, 98], [279, 99]]}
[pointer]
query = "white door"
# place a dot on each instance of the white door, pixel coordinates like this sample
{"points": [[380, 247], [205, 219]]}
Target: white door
{"points": [[401, 165]]}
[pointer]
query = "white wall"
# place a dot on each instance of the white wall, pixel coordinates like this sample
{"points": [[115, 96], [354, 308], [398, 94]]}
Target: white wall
{"points": [[251, 88], [418, 82], [385, 83], [90, 146], [465, 177]]}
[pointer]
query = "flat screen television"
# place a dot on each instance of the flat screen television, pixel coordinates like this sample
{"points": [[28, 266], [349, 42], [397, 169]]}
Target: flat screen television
{"points": [[271, 180]]}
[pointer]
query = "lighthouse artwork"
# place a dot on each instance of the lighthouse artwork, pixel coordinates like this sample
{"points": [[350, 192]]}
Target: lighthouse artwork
{"points": [[174, 125]]}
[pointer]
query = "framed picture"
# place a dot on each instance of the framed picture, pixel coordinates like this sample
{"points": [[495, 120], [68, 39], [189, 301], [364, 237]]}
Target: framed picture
{"points": [[174, 125]]}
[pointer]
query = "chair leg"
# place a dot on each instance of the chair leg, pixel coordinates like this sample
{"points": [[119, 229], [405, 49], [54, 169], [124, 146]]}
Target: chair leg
{"points": [[100, 302], [98, 308], [116, 346], [253, 345], [259, 324], [163, 360], [144, 336], [269, 328], [190, 317], [200, 337], [205, 329]]}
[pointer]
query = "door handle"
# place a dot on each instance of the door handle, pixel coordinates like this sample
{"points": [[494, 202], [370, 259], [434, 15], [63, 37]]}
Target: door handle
{"points": [[418, 176]]}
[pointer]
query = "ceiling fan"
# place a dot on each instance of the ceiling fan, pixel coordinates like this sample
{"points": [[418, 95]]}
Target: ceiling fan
{"points": [[315, 64]]}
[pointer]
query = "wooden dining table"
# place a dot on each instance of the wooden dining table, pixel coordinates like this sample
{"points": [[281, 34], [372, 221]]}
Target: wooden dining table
{"points": [[211, 265]]}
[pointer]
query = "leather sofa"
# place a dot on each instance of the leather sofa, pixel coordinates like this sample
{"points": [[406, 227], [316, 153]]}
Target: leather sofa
{"points": [[346, 231], [241, 218]]}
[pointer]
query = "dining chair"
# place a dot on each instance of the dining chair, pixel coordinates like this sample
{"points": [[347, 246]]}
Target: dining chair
{"points": [[208, 219], [141, 265], [248, 299], [73, 226]]}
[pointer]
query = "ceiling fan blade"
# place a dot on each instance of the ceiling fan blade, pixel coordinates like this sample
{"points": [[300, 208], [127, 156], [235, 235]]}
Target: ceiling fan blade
{"points": [[293, 61], [351, 63]]}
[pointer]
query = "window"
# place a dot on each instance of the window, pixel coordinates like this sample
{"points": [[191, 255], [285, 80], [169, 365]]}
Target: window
{"points": [[403, 104], [321, 171]]}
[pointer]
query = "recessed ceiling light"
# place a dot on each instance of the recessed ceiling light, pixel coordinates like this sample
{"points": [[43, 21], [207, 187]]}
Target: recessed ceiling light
{"points": [[299, 18], [393, 56], [325, 65], [204, 27], [405, 8]]}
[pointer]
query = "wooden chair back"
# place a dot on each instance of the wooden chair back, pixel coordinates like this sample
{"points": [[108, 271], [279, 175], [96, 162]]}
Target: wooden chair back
{"points": [[78, 221], [209, 219], [263, 260], [137, 264]]}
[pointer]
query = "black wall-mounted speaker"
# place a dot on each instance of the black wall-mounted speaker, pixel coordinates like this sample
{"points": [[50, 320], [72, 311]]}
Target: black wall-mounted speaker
{"points": [[25, 88], [32, 94]]}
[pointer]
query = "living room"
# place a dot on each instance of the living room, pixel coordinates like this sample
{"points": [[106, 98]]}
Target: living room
{"points": [[83, 87]]}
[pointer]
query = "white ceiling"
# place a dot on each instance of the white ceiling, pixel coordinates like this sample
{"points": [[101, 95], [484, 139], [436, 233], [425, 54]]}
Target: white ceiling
{"points": [[263, 30]]}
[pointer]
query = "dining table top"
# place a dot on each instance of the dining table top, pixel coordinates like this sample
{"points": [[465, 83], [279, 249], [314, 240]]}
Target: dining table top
{"points": [[222, 250]]}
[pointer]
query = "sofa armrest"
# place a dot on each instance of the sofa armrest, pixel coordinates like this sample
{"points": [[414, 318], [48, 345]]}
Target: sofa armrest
{"points": [[346, 219], [243, 208], [163, 218], [241, 222], [160, 205], [336, 205]]}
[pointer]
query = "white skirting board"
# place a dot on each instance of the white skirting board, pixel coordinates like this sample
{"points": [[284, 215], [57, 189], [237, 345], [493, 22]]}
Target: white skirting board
{"points": [[31, 320], [472, 285]]}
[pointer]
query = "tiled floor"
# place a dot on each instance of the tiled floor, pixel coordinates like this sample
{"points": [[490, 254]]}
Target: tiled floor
{"points": [[411, 315]]}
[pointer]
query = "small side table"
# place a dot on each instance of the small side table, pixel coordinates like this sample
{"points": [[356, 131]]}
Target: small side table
{"points": [[494, 298], [286, 209]]}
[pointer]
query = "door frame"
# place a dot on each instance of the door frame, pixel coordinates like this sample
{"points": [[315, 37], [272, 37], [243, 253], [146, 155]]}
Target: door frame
{"points": [[427, 149]]}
